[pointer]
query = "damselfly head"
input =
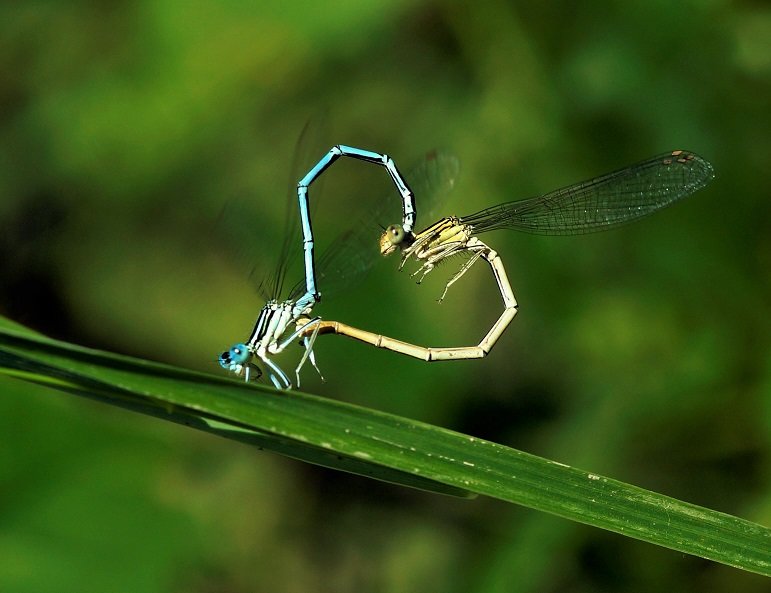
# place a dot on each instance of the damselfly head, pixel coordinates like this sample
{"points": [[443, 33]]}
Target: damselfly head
{"points": [[236, 359], [391, 238]]}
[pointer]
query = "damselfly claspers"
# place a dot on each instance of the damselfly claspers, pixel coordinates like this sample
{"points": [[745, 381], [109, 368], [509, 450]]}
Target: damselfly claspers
{"points": [[281, 322]]}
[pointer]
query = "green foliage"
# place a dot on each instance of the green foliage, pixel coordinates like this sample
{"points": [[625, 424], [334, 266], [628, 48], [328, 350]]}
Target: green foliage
{"points": [[383, 446], [643, 354]]}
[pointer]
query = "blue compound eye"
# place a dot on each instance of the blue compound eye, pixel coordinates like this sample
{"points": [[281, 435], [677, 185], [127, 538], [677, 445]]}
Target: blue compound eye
{"points": [[239, 354]]}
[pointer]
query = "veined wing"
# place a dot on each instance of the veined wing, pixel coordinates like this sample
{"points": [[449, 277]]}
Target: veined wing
{"points": [[356, 250], [603, 202]]}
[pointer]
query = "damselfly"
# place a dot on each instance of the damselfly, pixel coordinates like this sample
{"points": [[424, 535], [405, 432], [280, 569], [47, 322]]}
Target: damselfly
{"points": [[281, 322], [599, 204]]}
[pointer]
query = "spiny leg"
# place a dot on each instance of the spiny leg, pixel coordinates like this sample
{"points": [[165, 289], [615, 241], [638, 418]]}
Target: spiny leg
{"points": [[303, 325], [308, 354], [276, 373], [416, 247], [312, 355], [425, 269], [465, 268], [430, 262], [248, 372], [434, 256]]}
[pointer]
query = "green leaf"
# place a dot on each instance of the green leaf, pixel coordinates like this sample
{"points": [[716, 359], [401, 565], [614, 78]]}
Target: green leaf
{"points": [[382, 446]]}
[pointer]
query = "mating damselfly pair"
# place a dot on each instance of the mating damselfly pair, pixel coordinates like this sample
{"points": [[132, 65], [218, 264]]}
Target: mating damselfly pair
{"points": [[601, 203]]}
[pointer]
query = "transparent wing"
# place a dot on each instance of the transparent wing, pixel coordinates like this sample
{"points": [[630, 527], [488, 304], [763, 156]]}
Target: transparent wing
{"points": [[241, 221], [603, 202], [431, 181], [355, 250], [271, 285]]}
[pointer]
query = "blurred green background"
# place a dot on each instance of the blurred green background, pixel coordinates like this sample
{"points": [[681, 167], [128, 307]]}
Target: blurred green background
{"points": [[642, 353]]}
